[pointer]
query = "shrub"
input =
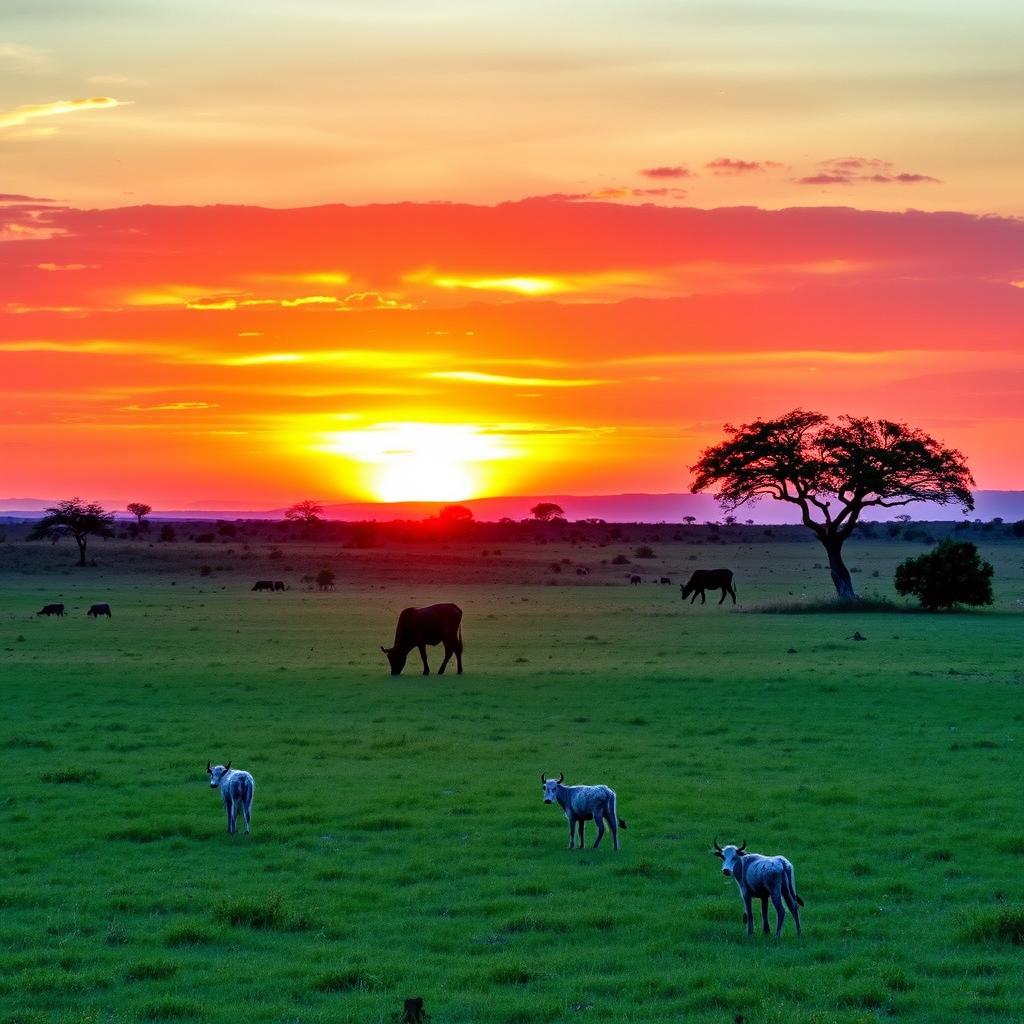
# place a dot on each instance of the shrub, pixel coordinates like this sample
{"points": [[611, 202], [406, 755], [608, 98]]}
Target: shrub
{"points": [[167, 534], [620, 560], [644, 552], [951, 574]]}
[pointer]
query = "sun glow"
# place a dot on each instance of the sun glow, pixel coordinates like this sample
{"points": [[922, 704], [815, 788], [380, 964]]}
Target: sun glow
{"points": [[420, 461]]}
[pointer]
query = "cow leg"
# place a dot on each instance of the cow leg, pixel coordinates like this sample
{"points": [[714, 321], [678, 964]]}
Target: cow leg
{"points": [[794, 909], [227, 811], [458, 653], [572, 832], [723, 596], [582, 828], [696, 594], [748, 913], [423, 655], [764, 914], [614, 827], [780, 912], [599, 822], [732, 590], [247, 812], [447, 656]]}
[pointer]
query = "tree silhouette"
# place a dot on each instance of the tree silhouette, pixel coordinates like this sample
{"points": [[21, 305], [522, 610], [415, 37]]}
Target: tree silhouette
{"points": [[455, 514], [305, 512], [832, 471], [545, 511], [74, 518], [951, 574], [139, 509]]}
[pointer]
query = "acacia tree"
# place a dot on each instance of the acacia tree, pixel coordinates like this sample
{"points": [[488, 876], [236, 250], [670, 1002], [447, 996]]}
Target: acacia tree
{"points": [[452, 514], [139, 509], [832, 471], [545, 511], [307, 512], [74, 518]]}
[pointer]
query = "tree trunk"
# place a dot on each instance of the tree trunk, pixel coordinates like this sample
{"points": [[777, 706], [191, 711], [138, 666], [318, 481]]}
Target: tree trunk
{"points": [[81, 541], [840, 574]]}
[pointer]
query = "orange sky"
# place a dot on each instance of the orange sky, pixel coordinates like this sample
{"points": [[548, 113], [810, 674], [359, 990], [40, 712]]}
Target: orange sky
{"points": [[737, 209], [238, 354]]}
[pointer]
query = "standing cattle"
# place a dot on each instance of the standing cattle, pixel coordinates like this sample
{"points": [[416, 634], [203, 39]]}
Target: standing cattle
{"points": [[417, 627], [763, 877], [665, 579], [582, 571], [236, 790], [99, 609], [279, 585], [51, 609], [263, 585], [582, 804], [634, 581], [709, 579]]}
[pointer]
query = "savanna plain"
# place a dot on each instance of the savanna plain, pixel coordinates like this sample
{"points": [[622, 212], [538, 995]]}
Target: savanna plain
{"points": [[400, 845]]}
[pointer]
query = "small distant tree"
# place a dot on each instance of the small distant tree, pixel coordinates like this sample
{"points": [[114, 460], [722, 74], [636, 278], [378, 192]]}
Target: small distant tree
{"points": [[140, 510], [74, 518], [951, 574], [545, 511], [307, 512], [325, 579], [833, 471], [689, 520], [452, 514]]}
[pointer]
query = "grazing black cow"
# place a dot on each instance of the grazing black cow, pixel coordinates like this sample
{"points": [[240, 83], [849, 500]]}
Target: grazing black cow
{"points": [[279, 585], [99, 609], [665, 579], [709, 579], [264, 585], [634, 581], [417, 627], [51, 609]]}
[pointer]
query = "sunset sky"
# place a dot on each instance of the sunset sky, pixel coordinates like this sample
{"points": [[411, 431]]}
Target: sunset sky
{"points": [[256, 252]]}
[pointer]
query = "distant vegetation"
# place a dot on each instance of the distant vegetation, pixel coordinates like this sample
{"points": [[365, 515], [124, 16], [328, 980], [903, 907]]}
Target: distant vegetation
{"points": [[952, 573]]}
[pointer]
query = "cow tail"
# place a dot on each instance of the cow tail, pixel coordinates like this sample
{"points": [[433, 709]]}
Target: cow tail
{"points": [[791, 880]]}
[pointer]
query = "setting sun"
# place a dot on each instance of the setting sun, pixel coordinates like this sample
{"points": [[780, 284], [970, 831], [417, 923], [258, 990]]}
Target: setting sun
{"points": [[419, 461]]}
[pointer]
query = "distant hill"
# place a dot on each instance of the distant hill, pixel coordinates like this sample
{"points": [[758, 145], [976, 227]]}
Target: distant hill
{"points": [[614, 508]]}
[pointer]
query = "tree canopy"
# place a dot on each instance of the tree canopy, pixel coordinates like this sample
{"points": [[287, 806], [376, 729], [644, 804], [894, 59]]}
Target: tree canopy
{"points": [[833, 470], [305, 512], [951, 574], [139, 509], [74, 518], [546, 511]]}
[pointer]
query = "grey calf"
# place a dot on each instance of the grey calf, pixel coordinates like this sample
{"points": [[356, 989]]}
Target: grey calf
{"points": [[236, 790], [763, 877], [582, 804]]}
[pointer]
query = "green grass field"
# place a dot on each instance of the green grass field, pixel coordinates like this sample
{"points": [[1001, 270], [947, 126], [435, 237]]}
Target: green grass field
{"points": [[400, 846]]}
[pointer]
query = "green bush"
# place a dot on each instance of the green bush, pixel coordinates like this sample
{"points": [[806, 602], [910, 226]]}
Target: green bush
{"points": [[951, 574]]}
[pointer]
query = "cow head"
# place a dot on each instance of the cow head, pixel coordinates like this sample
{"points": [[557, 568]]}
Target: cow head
{"points": [[730, 856], [685, 590], [551, 786], [217, 773], [396, 659]]}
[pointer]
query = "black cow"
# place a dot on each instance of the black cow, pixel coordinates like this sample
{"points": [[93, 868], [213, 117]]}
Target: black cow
{"points": [[279, 585], [634, 581], [99, 609], [51, 609], [417, 627], [665, 579], [264, 585], [709, 579]]}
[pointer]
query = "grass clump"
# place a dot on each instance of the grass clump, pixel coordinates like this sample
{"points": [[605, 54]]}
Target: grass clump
{"points": [[352, 980], [70, 776], [151, 970], [1005, 925], [830, 605], [270, 913]]}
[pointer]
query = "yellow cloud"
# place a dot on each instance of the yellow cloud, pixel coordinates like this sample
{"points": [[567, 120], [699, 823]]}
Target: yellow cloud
{"points": [[534, 284], [23, 114], [360, 359], [473, 377]]}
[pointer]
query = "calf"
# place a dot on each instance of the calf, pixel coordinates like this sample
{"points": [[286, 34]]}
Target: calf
{"points": [[99, 609], [581, 804], [763, 877], [51, 609], [709, 579], [236, 790]]}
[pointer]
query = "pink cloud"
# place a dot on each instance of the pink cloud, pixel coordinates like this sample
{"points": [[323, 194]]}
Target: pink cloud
{"points": [[724, 165], [667, 172], [850, 170]]}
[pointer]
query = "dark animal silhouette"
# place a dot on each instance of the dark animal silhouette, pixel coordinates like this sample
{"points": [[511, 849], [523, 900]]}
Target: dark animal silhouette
{"points": [[279, 585], [99, 609], [634, 581], [581, 571], [264, 585], [51, 609], [412, 1012], [709, 579], [665, 579], [417, 627]]}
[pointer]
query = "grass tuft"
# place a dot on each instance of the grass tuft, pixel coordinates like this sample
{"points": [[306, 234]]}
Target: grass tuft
{"points": [[271, 913], [1005, 925], [352, 980], [70, 776]]}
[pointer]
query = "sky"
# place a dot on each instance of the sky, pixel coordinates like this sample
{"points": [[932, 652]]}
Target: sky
{"points": [[256, 252]]}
